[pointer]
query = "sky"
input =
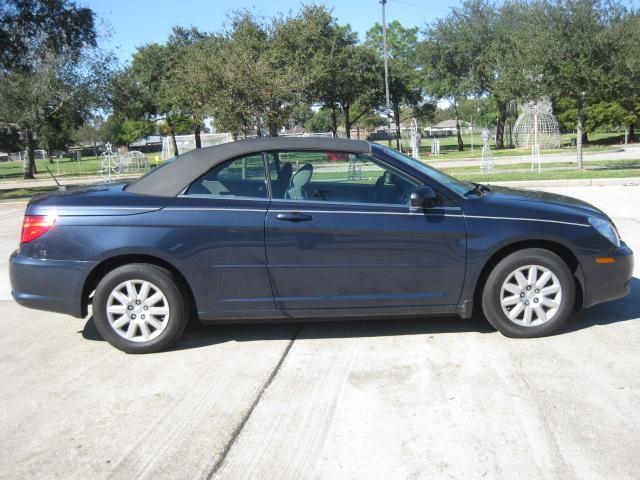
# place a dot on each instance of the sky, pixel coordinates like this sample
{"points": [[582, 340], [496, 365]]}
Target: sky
{"points": [[134, 23]]}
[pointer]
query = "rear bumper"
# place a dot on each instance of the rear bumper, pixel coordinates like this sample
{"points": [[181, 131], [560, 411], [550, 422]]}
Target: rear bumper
{"points": [[52, 285], [607, 281]]}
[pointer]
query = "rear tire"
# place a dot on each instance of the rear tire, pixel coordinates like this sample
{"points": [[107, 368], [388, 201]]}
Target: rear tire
{"points": [[140, 308], [529, 293]]}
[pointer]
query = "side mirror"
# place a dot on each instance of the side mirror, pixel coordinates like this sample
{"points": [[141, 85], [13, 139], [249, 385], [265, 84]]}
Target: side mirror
{"points": [[423, 197]]}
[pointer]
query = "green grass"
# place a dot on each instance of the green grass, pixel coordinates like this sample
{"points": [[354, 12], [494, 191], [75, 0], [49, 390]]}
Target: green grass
{"points": [[598, 142], [22, 193], [62, 167]]}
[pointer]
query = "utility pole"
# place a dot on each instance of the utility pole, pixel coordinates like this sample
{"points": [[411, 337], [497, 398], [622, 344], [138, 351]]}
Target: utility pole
{"points": [[386, 68]]}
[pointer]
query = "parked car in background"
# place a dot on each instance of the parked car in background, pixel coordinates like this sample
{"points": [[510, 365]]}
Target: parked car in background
{"points": [[295, 229]]}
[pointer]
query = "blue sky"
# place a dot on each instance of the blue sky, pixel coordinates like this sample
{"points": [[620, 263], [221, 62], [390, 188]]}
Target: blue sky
{"points": [[135, 22]]}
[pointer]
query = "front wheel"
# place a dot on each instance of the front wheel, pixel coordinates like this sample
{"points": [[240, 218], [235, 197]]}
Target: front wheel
{"points": [[529, 293], [139, 308]]}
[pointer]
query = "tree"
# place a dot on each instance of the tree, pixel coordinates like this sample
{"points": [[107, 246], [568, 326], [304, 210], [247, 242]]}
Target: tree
{"points": [[29, 29], [479, 50], [358, 87], [316, 45], [92, 131], [446, 68], [575, 47], [120, 130], [320, 122], [626, 71], [139, 93], [405, 87], [46, 64]]}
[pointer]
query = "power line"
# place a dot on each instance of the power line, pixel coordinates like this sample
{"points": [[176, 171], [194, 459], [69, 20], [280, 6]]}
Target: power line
{"points": [[416, 5]]}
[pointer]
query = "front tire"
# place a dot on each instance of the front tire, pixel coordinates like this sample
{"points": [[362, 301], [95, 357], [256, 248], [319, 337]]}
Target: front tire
{"points": [[529, 293], [140, 308]]}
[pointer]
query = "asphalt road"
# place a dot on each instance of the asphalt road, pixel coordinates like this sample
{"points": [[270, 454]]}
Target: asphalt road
{"points": [[432, 398]]}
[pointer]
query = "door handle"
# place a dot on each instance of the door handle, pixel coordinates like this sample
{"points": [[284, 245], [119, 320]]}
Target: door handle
{"points": [[293, 217]]}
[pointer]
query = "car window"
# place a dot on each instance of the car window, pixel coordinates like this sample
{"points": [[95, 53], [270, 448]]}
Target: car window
{"points": [[241, 177], [459, 186], [336, 177]]}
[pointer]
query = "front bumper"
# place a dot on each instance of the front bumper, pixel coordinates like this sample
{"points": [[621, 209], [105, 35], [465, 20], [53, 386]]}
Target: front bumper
{"points": [[52, 285], [606, 281]]}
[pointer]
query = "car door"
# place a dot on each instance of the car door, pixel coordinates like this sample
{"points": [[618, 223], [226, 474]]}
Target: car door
{"points": [[341, 234], [217, 235]]}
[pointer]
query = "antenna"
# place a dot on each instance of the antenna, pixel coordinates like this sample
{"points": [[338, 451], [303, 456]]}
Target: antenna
{"points": [[61, 188]]}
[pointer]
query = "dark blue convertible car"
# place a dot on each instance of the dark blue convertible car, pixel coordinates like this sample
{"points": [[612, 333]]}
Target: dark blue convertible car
{"points": [[290, 229]]}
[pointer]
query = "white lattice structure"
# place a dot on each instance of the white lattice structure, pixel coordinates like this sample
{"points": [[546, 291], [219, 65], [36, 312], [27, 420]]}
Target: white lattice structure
{"points": [[537, 126], [133, 162], [355, 169], [487, 164], [186, 143], [416, 139], [110, 164]]}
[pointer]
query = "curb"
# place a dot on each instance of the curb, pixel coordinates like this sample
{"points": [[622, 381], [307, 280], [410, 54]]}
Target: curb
{"points": [[572, 182]]}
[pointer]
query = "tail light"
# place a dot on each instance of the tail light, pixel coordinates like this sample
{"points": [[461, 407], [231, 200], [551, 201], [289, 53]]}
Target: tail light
{"points": [[34, 226]]}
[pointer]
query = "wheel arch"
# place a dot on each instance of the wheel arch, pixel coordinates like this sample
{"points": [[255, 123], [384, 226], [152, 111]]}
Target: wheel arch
{"points": [[564, 252], [106, 265]]}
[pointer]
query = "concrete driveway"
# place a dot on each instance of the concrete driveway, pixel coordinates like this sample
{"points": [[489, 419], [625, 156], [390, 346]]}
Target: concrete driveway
{"points": [[433, 398]]}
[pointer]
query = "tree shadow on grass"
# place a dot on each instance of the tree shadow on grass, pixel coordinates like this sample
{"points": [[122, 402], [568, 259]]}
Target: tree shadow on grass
{"points": [[198, 335]]}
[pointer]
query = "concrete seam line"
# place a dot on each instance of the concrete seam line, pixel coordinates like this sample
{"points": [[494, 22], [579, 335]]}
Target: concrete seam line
{"points": [[245, 418]]}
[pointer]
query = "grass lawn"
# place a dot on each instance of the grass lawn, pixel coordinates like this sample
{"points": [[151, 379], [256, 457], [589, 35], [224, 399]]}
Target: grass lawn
{"points": [[598, 142], [22, 193], [62, 167]]}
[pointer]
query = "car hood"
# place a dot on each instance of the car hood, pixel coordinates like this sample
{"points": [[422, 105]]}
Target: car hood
{"points": [[95, 199], [515, 197]]}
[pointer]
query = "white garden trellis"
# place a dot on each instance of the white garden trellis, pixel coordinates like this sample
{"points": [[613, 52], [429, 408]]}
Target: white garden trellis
{"points": [[538, 129], [115, 164]]}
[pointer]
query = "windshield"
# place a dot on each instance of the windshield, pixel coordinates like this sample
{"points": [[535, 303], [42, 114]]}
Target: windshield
{"points": [[459, 186]]}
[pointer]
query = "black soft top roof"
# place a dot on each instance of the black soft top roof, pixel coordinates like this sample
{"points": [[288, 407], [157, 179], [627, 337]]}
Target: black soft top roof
{"points": [[173, 177]]}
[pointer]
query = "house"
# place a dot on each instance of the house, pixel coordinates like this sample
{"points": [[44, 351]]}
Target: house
{"points": [[445, 128]]}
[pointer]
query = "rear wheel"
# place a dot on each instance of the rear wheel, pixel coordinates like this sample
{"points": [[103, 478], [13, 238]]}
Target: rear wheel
{"points": [[529, 293], [139, 308]]}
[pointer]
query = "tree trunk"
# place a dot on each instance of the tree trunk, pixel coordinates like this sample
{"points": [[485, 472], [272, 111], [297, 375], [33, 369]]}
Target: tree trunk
{"points": [[579, 132], [273, 130], [347, 121], [632, 132], [502, 120], [95, 149], [334, 122], [196, 133], [458, 134], [396, 118], [29, 172], [173, 137], [358, 131]]}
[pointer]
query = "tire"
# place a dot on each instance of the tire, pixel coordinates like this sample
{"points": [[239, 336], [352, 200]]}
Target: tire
{"points": [[532, 306], [158, 307]]}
